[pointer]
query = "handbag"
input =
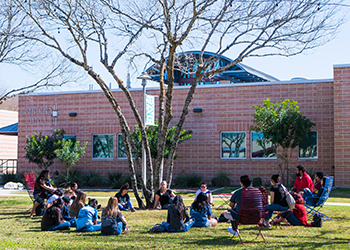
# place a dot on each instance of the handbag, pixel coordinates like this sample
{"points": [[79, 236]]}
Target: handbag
{"points": [[289, 198]]}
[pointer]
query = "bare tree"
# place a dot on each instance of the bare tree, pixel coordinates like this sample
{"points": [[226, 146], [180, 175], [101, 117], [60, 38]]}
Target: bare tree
{"points": [[24, 53], [160, 30]]}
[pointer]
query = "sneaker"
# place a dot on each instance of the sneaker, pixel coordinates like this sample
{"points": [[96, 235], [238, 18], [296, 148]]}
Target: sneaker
{"points": [[266, 224], [126, 230], [233, 232], [228, 216], [133, 210]]}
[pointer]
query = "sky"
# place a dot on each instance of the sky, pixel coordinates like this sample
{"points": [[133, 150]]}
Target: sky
{"points": [[313, 64]]}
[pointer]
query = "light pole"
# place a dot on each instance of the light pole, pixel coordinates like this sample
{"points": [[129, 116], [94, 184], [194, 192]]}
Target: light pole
{"points": [[144, 77]]}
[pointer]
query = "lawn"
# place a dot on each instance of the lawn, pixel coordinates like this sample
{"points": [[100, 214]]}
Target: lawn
{"points": [[18, 231]]}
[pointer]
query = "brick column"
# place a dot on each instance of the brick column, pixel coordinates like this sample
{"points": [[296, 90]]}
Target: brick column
{"points": [[342, 124]]}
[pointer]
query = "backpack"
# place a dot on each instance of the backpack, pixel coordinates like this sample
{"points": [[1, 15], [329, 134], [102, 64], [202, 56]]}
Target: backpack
{"points": [[158, 228], [317, 221]]}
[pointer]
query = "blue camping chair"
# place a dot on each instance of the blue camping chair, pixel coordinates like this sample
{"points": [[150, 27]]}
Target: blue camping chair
{"points": [[313, 206]]}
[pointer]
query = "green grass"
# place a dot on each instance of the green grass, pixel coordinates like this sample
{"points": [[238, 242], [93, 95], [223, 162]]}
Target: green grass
{"points": [[18, 231]]}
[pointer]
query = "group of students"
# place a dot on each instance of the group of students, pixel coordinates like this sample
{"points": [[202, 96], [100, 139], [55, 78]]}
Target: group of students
{"points": [[304, 189], [63, 210]]}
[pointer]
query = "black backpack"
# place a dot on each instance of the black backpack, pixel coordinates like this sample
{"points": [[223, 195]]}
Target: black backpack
{"points": [[317, 221]]}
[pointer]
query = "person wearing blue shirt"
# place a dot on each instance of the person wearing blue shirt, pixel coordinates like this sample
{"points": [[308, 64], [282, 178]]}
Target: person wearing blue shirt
{"points": [[87, 218], [201, 212]]}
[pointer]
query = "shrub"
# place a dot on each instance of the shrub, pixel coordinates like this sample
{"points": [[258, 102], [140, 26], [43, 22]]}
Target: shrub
{"points": [[257, 182], [221, 180], [95, 180], [5, 178], [75, 175], [116, 180], [189, 180]]}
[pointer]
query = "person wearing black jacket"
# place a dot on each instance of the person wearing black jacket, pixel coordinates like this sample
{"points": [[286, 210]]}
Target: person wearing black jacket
{"points": [[52, 219], [178, 219]]}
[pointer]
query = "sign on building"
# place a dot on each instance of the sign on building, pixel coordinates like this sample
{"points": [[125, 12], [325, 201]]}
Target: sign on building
{"points": [[150, 110]]}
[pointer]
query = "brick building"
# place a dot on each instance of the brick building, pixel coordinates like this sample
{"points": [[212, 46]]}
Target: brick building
{"points": [[227, 112]]}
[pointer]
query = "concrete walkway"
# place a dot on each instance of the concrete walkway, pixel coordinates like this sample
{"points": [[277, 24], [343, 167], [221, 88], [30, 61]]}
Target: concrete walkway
{"points": [[9, 192]]}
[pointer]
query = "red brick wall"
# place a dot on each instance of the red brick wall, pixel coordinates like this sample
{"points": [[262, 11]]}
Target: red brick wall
{"points": [[228, 108], [342, 124]]}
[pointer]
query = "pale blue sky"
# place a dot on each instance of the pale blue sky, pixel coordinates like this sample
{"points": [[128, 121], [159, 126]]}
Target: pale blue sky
{"points": [[314, 64]]}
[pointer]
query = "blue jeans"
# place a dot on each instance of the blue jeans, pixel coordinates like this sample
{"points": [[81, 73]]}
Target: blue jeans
{"points": [[188, 225], [62, 226], [126, 207], [308, 197], [292, 219], [92, 228], [235, 217], [273, 207]]}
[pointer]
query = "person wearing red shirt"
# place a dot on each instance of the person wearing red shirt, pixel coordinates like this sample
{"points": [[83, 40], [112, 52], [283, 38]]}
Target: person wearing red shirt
{"points": [[303, 180], [299, 215]]}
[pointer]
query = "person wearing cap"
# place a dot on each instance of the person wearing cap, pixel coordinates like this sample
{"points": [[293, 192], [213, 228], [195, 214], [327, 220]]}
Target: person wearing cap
{"points": [[65, 211]]}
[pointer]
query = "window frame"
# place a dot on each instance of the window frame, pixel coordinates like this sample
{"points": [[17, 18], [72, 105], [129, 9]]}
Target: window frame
{"points": [[233, 158]]}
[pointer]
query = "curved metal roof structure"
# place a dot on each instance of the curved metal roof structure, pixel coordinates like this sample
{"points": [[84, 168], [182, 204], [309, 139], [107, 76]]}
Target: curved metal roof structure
{"points": [[188, 61]]}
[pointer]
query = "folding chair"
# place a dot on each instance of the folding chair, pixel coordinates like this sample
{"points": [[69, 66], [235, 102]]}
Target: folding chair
{"points": [[252, 211], [30, 179], [321, 200], [226, 199]]}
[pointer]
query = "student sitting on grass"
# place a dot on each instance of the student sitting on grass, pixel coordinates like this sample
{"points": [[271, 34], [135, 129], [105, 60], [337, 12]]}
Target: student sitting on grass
{"points": [[124, 199], [204, 189], [178, 219], [65, 211], [113, 222], [56, 194], [52, 219], [87, 218], [77, 204], [163, 196], [201, 212], [73, 186], [299, 215]]}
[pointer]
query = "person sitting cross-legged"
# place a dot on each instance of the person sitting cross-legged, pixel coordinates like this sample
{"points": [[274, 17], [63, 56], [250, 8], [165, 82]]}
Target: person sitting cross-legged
{"points": [[201, 212], [113, 222], [52, 219], [87, 218], [65, 211], [204, 189], [178, 219], [124, 199]]}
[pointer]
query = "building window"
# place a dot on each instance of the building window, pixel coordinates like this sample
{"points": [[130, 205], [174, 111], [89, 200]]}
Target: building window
{"points": [[262, 148], [102, 146], [233, 145], [121, 147], [73, 138], [308, 146]]}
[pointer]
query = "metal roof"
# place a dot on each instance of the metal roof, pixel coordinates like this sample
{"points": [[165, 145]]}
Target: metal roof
{"points": [[10, 129], [238, 73]]}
